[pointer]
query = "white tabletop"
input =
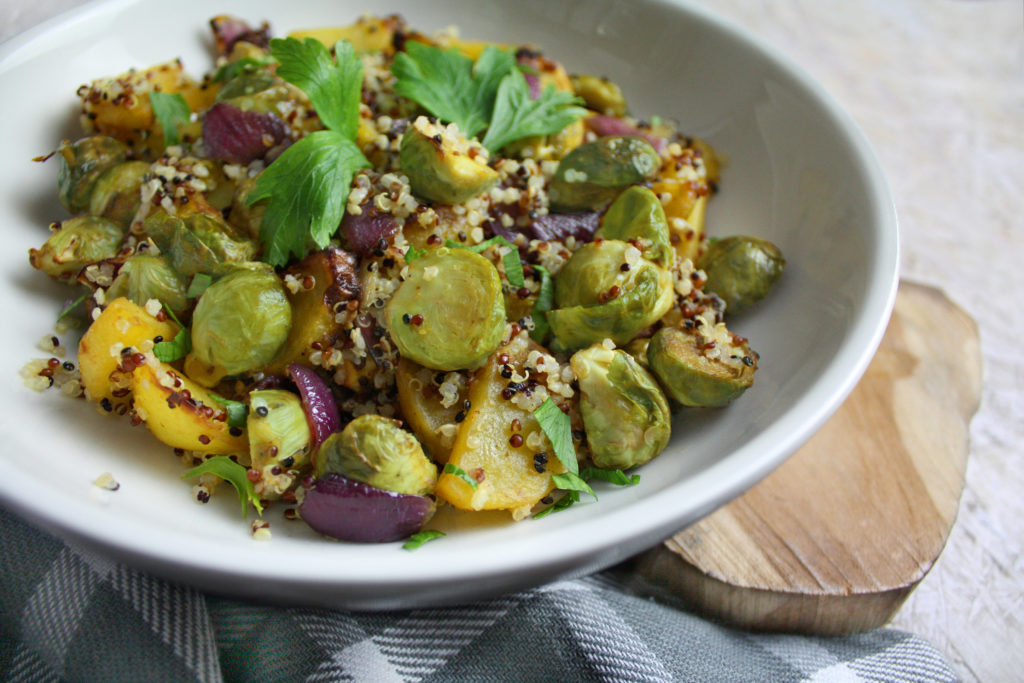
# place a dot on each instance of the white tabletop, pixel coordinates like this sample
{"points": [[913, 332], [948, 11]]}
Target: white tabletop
{"points": [[938, 87]]}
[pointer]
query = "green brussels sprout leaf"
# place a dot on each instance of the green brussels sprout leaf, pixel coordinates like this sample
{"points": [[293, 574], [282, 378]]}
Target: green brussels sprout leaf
{"points": [[558, 429], [198, 285], [232, 70], [450, 468], [421, 537], [233, 473], [171, 111], [176, 349]]}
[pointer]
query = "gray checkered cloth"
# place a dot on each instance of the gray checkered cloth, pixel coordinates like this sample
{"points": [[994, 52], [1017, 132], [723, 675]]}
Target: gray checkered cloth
{"points": [[70, 615]]}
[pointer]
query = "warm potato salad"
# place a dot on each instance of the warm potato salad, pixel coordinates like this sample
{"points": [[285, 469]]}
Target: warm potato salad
{"points": [[364, 272]]}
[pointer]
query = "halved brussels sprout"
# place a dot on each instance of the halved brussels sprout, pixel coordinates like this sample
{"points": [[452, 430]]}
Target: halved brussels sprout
{"points": [[600, 94], [449, 314], [703, 366], [594, 173], [607, 290], [279, 438], [117, 193], [144, 277], [246, 84], [443, 168], [637, 215], [241, 321], [624, 412], [376, 451], [81, 164], [77, 243], [198, 243], [741, 269]]}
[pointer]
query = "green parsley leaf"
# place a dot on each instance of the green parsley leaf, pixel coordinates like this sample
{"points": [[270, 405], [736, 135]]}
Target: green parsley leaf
{"points": [[572, 482], [545, 300], [333, 88], [236, 68], [176, 349], [457, 471], [200, 281], [66, 311], [236, 410], [449, 85], [517, 116], [617, 477], [414, 254], [558, 429], [233, 473], [171, 110], [308, 187], [513, 264], [421, 537]]}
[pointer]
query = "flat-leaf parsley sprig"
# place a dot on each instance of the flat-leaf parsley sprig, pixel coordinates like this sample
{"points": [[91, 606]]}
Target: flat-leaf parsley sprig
{"points": [[308, 186], [489, 94]]}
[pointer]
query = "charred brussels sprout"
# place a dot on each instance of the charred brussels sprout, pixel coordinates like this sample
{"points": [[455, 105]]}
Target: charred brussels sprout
{"points": [[594, 173], [637, 215], [279, 437], [600, 94], [117, 193], [624, 412], [449, 314], [241, 321], [81, 164], [77, 243], [703, 366], [144, 277], [741, 269], [376, 451], [441, 167], [198, 243], [607, 290]]}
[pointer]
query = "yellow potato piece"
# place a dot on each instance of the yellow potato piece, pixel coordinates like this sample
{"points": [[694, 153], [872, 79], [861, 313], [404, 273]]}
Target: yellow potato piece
{"points": [[181, 413], [122, 324], [423, 411], [368, 33], [506, 476]]}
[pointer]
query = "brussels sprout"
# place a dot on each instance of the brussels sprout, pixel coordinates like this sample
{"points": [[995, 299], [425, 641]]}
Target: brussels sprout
{"points": [[638, 349], [244, 216], [637, 215], [376, 451], [741, 269], [702, 366], [117, 193], [144, 277], [81, 164], [607, 290], [600, 94], [594, 173], [77, 243], [441, 167], [449, 314], [241, 321], [199, 243], [624, 412], [245, 85], [279, 438]]}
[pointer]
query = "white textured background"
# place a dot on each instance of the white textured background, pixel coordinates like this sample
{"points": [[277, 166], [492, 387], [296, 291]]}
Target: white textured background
{"points": [[938, 87]]}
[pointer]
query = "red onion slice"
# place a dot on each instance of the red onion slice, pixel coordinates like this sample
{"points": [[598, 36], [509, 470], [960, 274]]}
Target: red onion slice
{"points": [[369, 231], [604, 126], [318, 402], [240, 136], [350, 510]]}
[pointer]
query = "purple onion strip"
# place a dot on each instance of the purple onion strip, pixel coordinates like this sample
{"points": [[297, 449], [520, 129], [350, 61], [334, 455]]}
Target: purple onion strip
{"points": [[318, 402]]}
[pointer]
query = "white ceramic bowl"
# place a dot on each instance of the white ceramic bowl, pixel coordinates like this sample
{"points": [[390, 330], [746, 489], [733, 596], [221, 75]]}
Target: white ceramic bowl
{"points": [[799, 174]]}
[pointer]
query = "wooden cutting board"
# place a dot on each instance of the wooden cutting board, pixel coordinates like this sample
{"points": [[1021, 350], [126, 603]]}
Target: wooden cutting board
{"points": [[836, 538]]}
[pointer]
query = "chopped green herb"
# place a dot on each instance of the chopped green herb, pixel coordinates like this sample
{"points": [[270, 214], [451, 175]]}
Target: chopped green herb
{"points": [[513, 264], [200, 281], [572, 482], [176, 349], [236, 410], [617, 477], [233, 473], [239, 66], [419, 538], [171, 110], [414, 254], [558, 429], [545, 300], [64, 312], [457, 471], [566, 501], [308, 186]]}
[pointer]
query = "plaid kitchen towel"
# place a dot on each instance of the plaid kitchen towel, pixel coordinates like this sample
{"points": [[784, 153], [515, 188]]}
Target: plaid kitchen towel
{"points": [[71, 615]]}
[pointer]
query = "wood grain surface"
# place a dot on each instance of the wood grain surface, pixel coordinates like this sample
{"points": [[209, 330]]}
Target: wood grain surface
{"points": [[835, 539]]}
